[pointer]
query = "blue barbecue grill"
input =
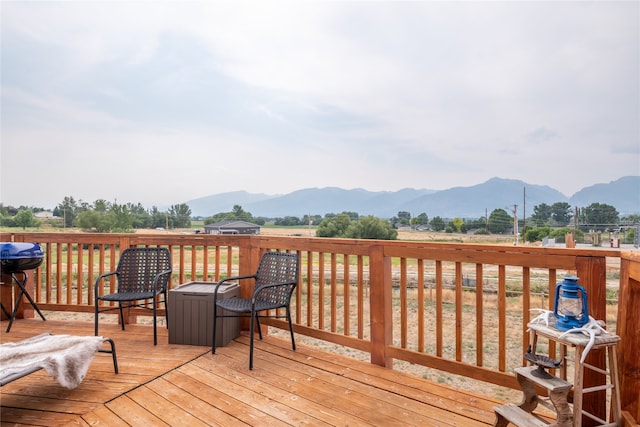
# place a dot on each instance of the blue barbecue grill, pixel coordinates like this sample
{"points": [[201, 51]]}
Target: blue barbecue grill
{"points": [[15, 260]]}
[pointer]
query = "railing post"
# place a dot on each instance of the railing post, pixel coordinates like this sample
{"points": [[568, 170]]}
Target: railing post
{"points": [[380, 303], [592, 274], [628, 327], [248, 260]]}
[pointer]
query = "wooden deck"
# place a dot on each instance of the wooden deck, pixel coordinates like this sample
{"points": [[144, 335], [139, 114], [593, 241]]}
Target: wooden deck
{"points": [[186, 385]]}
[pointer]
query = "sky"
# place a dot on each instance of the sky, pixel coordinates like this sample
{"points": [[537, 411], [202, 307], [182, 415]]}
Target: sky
{"points": [[161, 102]]}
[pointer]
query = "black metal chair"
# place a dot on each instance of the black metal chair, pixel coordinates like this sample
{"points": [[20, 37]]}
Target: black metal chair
{"points": [[274, 283], [142, 275]]}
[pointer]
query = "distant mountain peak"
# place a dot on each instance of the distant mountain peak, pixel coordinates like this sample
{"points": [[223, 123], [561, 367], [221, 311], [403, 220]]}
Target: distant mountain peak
{"points": [[462, 202]]}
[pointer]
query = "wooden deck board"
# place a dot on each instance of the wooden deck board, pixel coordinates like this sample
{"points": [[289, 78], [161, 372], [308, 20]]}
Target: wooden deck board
{"points": [[368, 405], [187, 385], [194, 397]]}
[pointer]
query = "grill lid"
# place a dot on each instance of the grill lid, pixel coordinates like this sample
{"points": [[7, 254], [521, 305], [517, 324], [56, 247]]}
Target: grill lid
{"points": [[19, 256], [20, 250]]}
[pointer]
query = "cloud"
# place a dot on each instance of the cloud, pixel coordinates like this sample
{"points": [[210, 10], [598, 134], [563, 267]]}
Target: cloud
{"points": [[377, 95], [541, 134]]}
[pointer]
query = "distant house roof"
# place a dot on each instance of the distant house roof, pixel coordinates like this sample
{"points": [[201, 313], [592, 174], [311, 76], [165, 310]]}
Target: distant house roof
{"points": [[232, 227], [44, 214]]}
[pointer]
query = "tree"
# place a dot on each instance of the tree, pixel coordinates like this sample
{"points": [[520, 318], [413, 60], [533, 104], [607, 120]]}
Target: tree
{"points": [[404, 217], [122, 217], [334, 227], [499, 221], [159, 219], [239, 213], [68, 211], [474, 224], [141, 217], [287, 221], [437, 223], [25, 218], [599, 216], [561, 213], [537, 234], [91, 220], [419, 220], [370, 227], [236, 214], [541, 214], [181, 215], [311, 220], [457, 224], [101, 206]]}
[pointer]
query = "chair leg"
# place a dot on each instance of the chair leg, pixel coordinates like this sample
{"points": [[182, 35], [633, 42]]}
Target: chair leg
{"points": [[258, 324], [96, 318], [215, 324], [155, 321], [121, 315], [293, 340], [166, 309], [113, 353]]}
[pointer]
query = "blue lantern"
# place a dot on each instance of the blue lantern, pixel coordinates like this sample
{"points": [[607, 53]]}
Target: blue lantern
{"points": [[570, 307]]}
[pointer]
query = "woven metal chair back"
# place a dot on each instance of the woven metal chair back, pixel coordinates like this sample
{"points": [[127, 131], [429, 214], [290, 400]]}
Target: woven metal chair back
{"points": [[138, 268], [277, 267]]}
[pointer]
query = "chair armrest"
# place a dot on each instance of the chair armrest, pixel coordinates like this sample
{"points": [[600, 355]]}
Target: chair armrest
{"points": [[229, 279], [97, 283], [159, 275], [101, 277]]}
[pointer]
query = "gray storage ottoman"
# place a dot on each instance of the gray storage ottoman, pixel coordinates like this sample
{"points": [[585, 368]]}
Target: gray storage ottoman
{"points": [[191, 314]]}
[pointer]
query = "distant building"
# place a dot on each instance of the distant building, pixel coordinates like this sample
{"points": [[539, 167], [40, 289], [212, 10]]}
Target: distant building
{"points": [[232, 227], [44, 215]]}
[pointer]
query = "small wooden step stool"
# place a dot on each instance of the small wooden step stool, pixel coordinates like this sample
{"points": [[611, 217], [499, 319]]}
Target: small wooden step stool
{"points": [[559, 388], [580, 341], [522, 415]]}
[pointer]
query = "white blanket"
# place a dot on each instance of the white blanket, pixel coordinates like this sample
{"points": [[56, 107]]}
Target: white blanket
{"points": [[64, 357]]}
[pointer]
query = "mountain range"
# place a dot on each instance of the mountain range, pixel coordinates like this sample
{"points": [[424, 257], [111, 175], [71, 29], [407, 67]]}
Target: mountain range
{"points": [[462, 202]]}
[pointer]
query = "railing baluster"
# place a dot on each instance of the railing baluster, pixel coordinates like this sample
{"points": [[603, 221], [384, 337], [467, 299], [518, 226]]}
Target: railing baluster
{"points": [[90, 274], [321, 290], [479, 315], [194, 271], [438, 325], [48, 278], [333, 301], [309, 288], [346, 307], [360, 297], [80, 278], [420, 293], [502, 318], [403, 302], [526, 304]]}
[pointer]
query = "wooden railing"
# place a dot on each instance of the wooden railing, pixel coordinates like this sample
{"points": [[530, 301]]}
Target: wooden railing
{"points": [[460, 308]]}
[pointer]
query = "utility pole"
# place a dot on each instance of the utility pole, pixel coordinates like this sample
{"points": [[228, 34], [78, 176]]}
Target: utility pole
{"points": [[515, 225], [524, 209], [486, 221]]}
